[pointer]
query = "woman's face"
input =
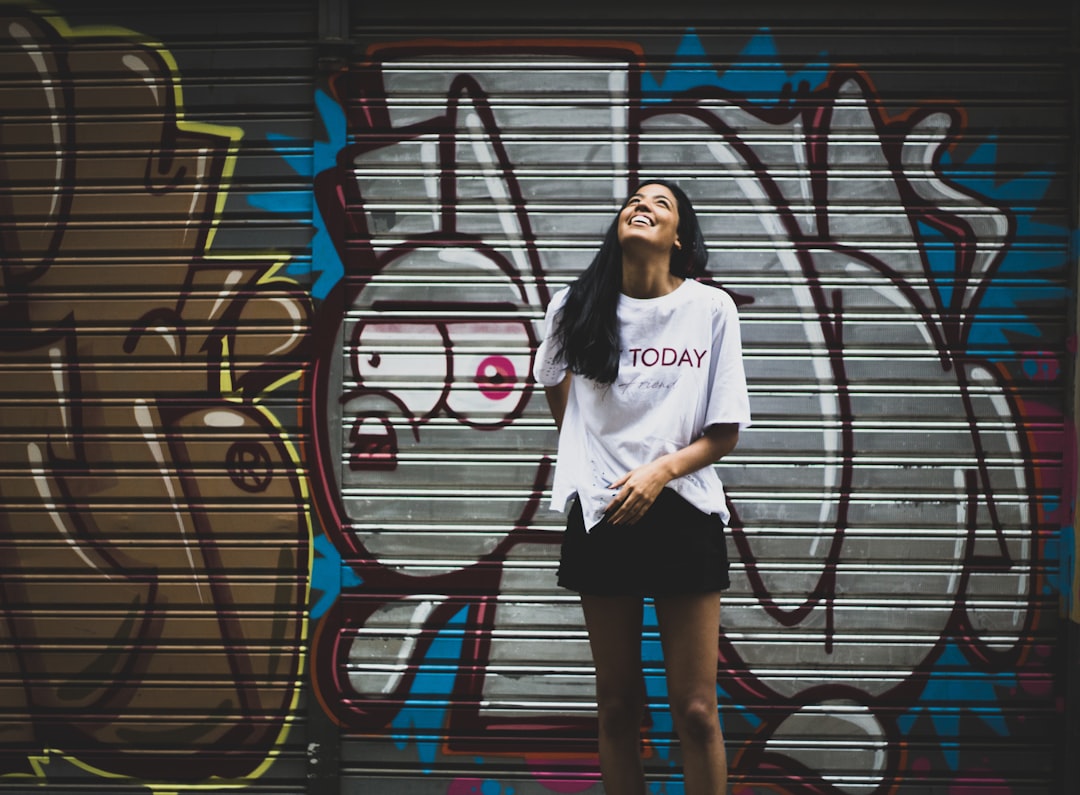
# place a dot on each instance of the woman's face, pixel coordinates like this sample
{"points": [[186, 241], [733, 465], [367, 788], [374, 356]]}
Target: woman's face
{"points": [[650, 217]]}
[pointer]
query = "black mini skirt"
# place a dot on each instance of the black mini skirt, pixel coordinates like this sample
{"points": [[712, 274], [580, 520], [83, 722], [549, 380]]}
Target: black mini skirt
{"points": [[673, 549]]}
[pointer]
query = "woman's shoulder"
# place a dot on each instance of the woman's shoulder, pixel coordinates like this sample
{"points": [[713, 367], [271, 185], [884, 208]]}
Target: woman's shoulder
{"points": [[711, 295]]}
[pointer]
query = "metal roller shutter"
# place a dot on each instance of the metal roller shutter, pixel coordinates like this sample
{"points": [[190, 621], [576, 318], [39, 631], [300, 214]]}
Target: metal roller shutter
{"points": [[885, 196], [889, 193]]}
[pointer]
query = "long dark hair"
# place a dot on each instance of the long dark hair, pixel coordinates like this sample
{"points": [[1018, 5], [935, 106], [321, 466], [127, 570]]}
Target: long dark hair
{"points": [[587, 329]]}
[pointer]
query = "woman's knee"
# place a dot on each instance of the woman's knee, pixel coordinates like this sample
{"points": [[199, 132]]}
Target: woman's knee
{"points": [[620, 713], [697, 720]]}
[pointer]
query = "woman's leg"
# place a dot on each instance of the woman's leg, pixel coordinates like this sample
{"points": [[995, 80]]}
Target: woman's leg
{"points": [[614, 624], [690, 634]]}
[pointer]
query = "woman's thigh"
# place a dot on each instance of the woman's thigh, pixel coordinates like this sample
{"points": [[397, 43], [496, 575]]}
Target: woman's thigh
{"points": [[614, 624], [690, 635]]}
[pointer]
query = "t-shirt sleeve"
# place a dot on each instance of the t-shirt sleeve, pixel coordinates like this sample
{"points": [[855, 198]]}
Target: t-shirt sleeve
{"points": [[549, 369], [729, 400]]}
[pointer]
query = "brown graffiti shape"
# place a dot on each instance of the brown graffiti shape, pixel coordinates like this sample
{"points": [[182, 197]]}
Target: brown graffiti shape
{"points": [[153, 532]]}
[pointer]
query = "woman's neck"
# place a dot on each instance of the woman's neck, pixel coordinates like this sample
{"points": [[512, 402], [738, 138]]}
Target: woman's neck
{"points": [[648, 282]]}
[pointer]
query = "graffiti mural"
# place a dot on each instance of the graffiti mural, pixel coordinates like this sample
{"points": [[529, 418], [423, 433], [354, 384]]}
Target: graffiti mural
{"points": [[201, 457], [889, 523], [153, 522]]}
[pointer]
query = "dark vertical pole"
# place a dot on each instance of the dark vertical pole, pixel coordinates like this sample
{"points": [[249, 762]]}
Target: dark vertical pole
{"points": [[332, 55], [334, 35], [323, 749], [1071, 627]]}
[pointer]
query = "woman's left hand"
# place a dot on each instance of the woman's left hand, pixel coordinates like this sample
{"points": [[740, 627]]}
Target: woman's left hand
{"points": [[637, 491], [639, 488]]}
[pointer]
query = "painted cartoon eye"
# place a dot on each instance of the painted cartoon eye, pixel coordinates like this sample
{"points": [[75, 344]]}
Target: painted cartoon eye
{"points": [[405, 360], [496, 377], [491, 363]]}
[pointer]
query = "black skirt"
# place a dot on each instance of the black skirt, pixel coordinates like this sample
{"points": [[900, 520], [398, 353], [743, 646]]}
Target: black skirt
{"points": [[673, 549]]}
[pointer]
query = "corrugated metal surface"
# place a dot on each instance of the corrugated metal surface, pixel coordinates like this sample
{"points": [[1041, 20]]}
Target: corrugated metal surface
{"points": [[154, 531], [885, 199], [886, 192]]}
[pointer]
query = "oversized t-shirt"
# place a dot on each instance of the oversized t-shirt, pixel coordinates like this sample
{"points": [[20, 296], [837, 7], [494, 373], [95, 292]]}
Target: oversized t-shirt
{"points": [[680, 371]]}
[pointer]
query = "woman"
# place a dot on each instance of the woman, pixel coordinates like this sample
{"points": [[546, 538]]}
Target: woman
{"points": [[642, 368]]}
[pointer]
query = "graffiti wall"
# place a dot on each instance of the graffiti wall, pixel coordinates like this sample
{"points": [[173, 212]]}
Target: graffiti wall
{"points": [[891, 620], [274, 493]]}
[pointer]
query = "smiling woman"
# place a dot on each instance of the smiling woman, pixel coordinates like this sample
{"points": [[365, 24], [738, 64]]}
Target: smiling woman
{"points": [[649, 224], [642, 368], [654, 243]]}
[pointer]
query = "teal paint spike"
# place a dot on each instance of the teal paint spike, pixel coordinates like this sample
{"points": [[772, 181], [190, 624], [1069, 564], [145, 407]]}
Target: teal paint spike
{"points": [[423, 718], [329, 576], [757, 75], [954, 683], [1037, 254], [324, 257]]}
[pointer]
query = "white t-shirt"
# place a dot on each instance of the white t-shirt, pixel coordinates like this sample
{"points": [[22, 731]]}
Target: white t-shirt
{"points": [[680, 371]]}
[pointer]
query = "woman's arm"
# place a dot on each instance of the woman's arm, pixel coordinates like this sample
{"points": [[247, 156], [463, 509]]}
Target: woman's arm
{"points": [[556, 399], [639, 487]]}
